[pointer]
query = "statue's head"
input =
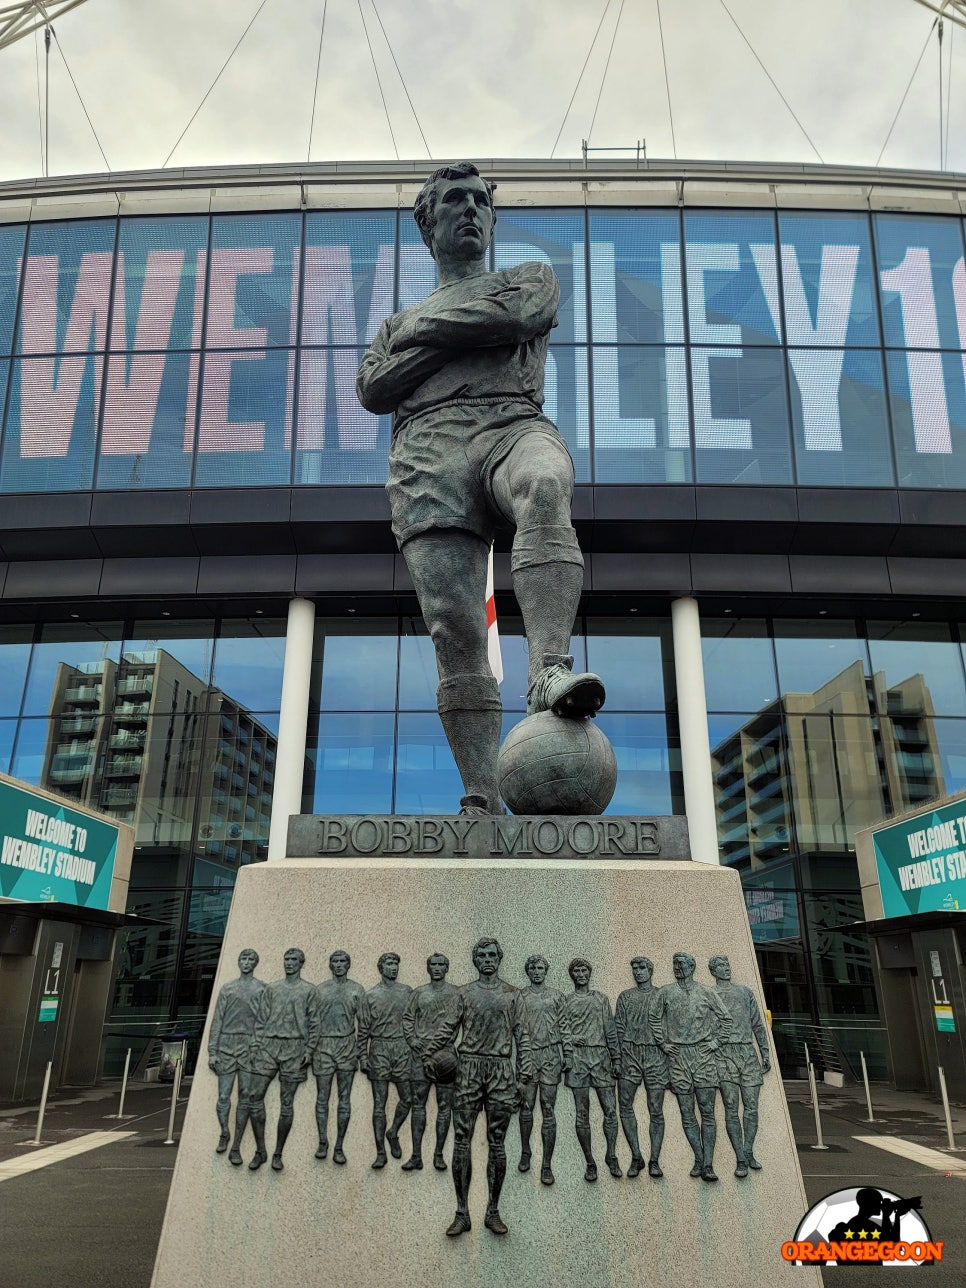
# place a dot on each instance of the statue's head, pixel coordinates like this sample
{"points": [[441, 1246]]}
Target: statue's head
{"points": [[388, 965], [683, 965], [487, 955], [247, 960], [339, 963], [293, 960], [471, 196], [642, 968], [580, 970], [720, 967], [437, 964], [536, 968]]}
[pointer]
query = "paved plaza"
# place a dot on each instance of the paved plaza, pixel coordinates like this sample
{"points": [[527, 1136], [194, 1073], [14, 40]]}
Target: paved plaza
{"points": [[84, 1208]]}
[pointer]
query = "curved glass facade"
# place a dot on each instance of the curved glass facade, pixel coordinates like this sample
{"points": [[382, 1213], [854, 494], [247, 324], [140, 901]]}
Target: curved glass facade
{"points": [[707, 346]]}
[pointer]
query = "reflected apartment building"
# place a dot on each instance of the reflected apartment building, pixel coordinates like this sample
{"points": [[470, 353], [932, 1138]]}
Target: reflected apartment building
{"points": [[792, 787], [148, 742]]}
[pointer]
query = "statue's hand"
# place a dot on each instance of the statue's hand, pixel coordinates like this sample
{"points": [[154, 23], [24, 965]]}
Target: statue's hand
{"points": [[765, 1065], [213, 1064]]}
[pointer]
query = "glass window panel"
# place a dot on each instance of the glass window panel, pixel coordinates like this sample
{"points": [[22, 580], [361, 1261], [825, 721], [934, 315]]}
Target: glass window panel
{"points": [[149, 419], [354, 666], [350, 765], [928, 403], [51, 428], [207, 918], [647, 764], [253, 281], [76, 665], [913, 766], [566, 387], [739, 666], [148, 958], [740, 416], [821, 658], [64, 754], [752, 791], [249, 655], [772, 910], [237, 765], [553, 238], [835, 777], [827, 279], [427, 780], [917, 670], [151, 770], [348, 286], [338, 441], [186, 643], [634, 662], [635, 277], [730, 262], [14, 656], [418, 676], [66, 282], [642, 425], [8, 730], [950, 773], [839, 417], [245, 429], [920, 272], [158, 284], [11, 253], [417, 268]]}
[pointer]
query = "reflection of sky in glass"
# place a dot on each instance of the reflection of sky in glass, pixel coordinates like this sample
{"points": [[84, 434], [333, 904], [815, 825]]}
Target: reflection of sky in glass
{"points": [[8, 729], [351, 765], [905, 651], [630, 666], [358, 670], [14, 655], [739, 667], [810, 654], [75, 647], [248, 663], [644, 763], [427, 781]]}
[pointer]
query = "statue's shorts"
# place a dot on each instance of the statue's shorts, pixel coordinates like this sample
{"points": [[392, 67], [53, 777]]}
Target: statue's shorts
{"points": [[390, 1060], [547, 1064], [590, 1067], [441, 465], [485, 1080], [644, 1062], [738, 1062], [335, 1054], [692, 1065], [232, 1053], [283, 1056]]}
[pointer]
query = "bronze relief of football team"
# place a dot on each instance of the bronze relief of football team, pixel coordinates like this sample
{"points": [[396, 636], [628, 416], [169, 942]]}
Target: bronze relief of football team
{"points": [[489, 1047]]}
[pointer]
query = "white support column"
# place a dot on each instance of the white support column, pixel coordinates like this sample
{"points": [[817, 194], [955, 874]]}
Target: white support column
{"points": [[693, 717], [293, 723]]}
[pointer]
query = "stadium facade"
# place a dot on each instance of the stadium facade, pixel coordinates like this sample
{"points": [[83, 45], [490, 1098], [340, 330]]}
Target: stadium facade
{"points": [[761, 374]]}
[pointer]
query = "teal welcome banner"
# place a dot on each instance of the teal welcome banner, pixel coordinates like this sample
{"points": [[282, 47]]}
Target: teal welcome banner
{"points": [[922, 861], [50, 853]]}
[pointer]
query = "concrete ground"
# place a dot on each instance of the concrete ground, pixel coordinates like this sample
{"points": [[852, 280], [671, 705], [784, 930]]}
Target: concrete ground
{"points": [[88, 1214]]}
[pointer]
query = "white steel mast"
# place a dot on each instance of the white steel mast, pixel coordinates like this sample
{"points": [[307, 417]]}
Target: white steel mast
{"points": [[26, 16]]}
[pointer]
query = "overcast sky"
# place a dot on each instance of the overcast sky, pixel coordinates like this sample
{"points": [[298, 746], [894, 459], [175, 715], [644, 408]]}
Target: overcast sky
{"points": [[486, 79]]}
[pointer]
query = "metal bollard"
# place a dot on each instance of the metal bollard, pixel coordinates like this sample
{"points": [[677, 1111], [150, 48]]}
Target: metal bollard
{"points": [[43, 1104], [868, 1094], [120, 1108], [819, 1144], [949, 1121], [174, 1098]]}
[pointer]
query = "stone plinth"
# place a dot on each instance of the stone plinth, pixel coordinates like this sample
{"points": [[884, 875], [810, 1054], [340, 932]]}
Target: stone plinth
{"points": [[316, 1222]]}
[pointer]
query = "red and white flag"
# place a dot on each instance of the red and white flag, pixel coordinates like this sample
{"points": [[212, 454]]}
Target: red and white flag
{"points": [[492, 631]]}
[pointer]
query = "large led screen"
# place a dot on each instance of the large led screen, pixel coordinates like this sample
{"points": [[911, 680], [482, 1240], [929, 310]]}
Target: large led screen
{"points": [[709, 346]]}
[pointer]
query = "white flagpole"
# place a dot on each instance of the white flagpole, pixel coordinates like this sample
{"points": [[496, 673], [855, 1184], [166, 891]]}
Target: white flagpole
{"points": [[494, 654]]}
